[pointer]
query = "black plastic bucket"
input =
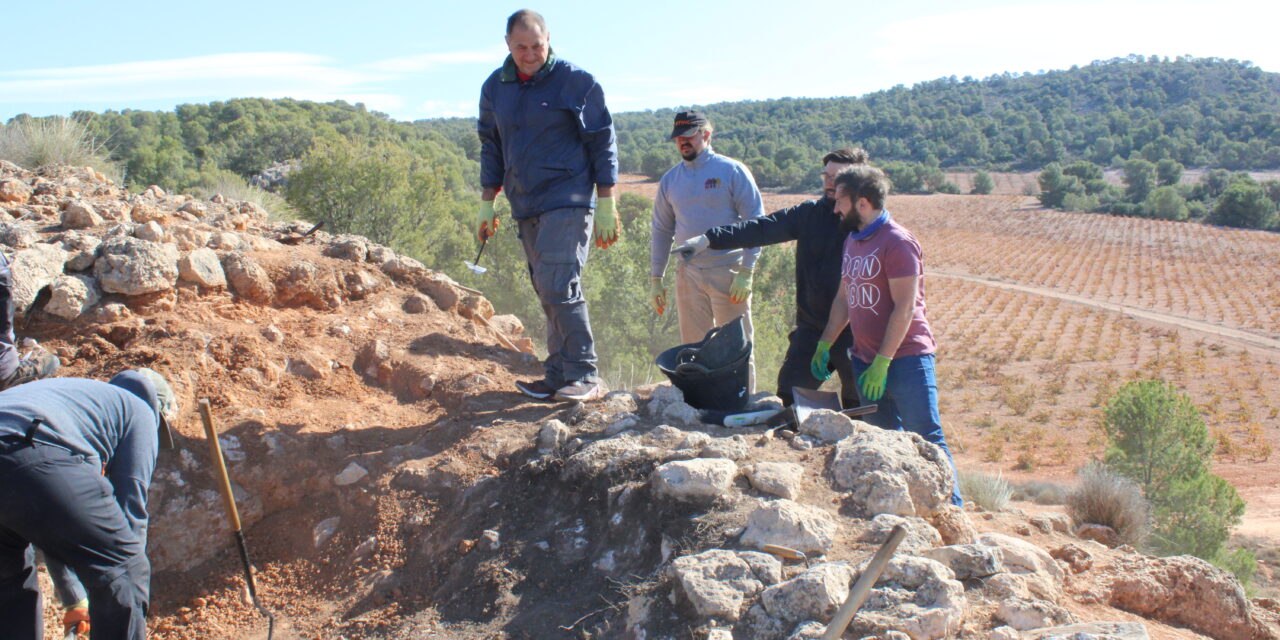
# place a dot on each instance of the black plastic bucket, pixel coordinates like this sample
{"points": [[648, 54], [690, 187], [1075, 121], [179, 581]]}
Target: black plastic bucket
{"points": [[723, 388]]}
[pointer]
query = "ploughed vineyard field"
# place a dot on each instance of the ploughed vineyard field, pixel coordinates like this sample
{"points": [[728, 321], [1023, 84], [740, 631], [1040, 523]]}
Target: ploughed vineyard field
{"points": [[1024, 372]]}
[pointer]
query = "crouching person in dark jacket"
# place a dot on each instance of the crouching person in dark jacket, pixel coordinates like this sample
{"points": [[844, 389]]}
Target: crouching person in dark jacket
{"points": [[76, 458]]}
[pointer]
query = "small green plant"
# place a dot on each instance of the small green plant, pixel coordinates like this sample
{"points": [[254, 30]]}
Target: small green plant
{"points": [[233, 187], [1107, 498], [990, 493]]}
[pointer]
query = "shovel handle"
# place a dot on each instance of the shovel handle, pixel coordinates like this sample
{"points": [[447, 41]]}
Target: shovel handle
{"points": [[219, 465], [862, 588]]}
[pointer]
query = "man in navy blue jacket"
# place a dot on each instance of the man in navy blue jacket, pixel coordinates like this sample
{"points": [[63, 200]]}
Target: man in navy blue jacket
{"points": [[76, 458], [814, 226], [546, 138]]}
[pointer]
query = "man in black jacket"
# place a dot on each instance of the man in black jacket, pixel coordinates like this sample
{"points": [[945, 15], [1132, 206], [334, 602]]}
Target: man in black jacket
{"points": [[814, 226]]}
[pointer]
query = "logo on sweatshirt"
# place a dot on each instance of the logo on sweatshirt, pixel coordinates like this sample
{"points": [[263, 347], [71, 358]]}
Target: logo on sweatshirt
{"points": [[712, 183]]}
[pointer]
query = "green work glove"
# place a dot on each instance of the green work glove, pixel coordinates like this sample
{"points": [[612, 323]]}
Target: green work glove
{"points": [[819, 366], [657, 294], [871, 382], [740, 288], [606, 230], [486, 220]]}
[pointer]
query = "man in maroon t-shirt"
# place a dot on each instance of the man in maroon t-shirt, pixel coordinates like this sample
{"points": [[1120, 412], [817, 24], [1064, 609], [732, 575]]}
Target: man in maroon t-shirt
{"points": [[881, 298]]}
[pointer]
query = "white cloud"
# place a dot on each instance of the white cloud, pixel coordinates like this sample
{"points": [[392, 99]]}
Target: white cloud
{"points": [[447, 109]]}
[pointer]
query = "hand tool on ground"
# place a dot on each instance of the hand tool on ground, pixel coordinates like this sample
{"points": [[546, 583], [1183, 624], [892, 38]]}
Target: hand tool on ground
{"points": [[474, 265], [293, 237], [233, 514], [807, 401], [862, 588]]}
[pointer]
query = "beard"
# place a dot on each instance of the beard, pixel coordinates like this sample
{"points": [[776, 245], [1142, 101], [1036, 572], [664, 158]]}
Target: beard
{"points": [[849, 222], [690, 154]]}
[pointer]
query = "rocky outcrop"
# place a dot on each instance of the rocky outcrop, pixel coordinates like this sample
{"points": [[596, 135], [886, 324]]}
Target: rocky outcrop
{"points": [[892, 472]]}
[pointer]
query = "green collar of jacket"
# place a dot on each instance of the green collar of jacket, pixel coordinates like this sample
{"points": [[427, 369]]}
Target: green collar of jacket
{"points": [[509, 67]]}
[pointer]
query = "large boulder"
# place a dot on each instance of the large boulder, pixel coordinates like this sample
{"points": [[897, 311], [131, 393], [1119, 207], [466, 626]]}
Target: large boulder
{"points": [[81, 248], [716, 583], [72, 296], [815, 594], [824, 424], [203, 268], [702, 480], [1029, 571], [33, 269], [781, 479], [1187, 591], [134, 267], [80, 215], [967, 561], [891, 472], [248, 279], [791, 524], [915, 596]]}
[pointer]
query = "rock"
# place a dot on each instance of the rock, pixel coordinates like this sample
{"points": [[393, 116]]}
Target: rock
{"points": [[621, 422], [552, 436], [352, 474], [431, 477], [134, 267], [14, 191], [719, 634], [827, 425], [662, 396], [1032, 614], [612, 457], [967, 561], [665, 436], [808, 630], [248, 279], [616, 402], [920, 535], [32, 270], [1099, 533], [915, 596], [1091, 631], [324, 531], [1004, 633], [815, 594], [1074, 556], [111, 312], [379, 254], [1051, 522], [81, 248], [373, 361], [418, 303], [308, 365], [791, 524], [203, 268], [151, 232], [732, 448], [802, 442], [1029, 570], [189, 238], [72, 296], [492, 539], [80, 215], [144, 212], [402, 267], [781, 479], [1187, 591], [226, 241], [699, 481], [440, 288], [473, 306], [19, 235], [892, 472], [717, 582], [681, 414], [349, 248], [511, 327], [954, 525], [195, 208]]}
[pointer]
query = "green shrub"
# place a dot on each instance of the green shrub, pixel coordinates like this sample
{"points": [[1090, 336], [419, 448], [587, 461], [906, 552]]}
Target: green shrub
{"points": [[1107, 498], [233, 187], [990, 493], [982, 183], [1040, 492]]}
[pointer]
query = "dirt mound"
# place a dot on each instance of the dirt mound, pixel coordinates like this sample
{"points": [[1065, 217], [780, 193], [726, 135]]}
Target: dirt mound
{"points": [[393, 485]]}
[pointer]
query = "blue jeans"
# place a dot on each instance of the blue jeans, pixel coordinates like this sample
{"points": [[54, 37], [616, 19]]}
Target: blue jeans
{"points": [[910, 403]]}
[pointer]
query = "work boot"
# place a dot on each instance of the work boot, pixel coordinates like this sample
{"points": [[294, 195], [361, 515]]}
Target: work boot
{"points": [[581, 391], [536, 389], [43, 365]]}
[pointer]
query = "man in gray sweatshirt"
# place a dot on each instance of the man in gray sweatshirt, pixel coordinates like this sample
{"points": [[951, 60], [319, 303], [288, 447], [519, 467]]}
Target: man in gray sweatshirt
{"points": [[704, 190]]}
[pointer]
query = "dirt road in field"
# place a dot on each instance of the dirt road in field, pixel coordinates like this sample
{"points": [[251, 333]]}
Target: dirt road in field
{"points": [[1244, 338]]}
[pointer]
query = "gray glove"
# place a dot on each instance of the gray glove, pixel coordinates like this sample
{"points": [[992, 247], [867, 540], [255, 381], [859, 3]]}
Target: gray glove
{"points": [[692, 246]]}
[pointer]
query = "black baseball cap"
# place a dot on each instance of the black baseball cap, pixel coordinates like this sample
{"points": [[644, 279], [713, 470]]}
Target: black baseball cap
{"points": [[687, 122]]}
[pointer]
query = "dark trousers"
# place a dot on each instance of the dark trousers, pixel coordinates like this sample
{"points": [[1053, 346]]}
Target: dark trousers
{"points": [[555, 245], [8, 352], [796, 372], [56, 500]]}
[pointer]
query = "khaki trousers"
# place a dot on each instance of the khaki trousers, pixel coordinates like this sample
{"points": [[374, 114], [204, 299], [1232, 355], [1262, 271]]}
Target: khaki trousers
{"points": [[702, 300]]}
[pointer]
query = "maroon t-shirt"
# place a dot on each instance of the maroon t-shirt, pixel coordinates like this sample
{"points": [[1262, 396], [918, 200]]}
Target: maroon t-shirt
{"points": [[890, 252]]}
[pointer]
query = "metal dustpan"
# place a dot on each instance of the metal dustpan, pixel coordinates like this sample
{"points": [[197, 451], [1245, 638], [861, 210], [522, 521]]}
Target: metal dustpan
{"points": [[807, 401]]}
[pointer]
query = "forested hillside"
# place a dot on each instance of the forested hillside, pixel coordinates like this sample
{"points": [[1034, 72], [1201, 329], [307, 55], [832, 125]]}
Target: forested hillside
{"points": [[414, 185]]}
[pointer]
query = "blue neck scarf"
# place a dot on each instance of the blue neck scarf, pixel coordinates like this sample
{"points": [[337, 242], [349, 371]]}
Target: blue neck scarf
{"points": [[871, 228]]}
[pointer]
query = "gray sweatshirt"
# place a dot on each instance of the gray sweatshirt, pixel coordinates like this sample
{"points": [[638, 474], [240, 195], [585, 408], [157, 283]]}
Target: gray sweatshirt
{"points": [[709, 191]]}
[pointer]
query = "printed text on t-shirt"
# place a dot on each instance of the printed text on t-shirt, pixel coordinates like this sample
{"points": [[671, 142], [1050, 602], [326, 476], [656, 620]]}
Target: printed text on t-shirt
{"points": [[859, 273]]}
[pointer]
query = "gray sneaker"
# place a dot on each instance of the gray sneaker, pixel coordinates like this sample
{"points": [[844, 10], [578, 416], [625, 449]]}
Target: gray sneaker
{"points": [[581, 391], [41, 366]]}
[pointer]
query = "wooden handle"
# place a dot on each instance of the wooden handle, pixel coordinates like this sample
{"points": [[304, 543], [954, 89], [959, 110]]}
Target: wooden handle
{"points": [[862, 588], [215, 452], [786, 553]]}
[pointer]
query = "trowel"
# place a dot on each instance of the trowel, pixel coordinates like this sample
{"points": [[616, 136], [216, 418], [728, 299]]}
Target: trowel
{"points": [[474, 265]]}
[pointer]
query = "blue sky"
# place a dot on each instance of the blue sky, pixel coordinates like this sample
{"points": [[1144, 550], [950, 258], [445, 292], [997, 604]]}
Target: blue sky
{"points": [[424, 59]]}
